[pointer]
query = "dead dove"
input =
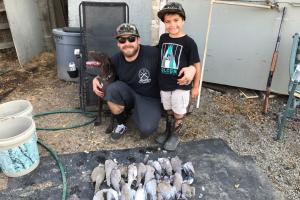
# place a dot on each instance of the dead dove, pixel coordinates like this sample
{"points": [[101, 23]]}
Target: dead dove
{"points": [[165, 191], [132, 194], [146, 158], [177, 183], [111, 194], [187, 191], [156, 166], [125, 192], [98, 176], [124, 171], [140, 193], [158, 169], [141, 170], [132, 173], [149, 175], [150, 188], [165, 165], [176, 164], [189, 172], [100, 195], [109, 166], [115, 179]]}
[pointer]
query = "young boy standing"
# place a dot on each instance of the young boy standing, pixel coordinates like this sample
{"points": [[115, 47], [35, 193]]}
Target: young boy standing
{"points": [[178, 52]]}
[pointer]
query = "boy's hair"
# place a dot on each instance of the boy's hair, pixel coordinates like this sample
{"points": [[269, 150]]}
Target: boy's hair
{"points": [[171, 8]]}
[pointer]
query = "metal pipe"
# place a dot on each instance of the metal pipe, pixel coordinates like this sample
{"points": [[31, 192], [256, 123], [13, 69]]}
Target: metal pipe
{"points": [[242, 4], [205, 51]]}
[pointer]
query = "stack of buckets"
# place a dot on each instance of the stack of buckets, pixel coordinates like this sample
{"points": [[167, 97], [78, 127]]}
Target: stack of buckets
{"points": [[18, 140]]}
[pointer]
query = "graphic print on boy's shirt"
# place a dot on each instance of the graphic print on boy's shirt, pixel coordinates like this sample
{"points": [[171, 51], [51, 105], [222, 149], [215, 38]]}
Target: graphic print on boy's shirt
{"points": [[171, 53]]}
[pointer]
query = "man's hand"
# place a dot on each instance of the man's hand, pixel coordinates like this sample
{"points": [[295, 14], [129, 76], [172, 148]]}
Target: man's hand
{"points": [[188, 75], [96, 88], [194, 92]]}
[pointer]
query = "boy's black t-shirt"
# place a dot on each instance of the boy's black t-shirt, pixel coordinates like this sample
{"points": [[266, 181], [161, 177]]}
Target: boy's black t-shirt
{"points": [[141, 74], [175, 53]]}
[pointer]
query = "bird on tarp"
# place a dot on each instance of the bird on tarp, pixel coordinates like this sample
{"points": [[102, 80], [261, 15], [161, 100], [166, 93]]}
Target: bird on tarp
{"points": [[140, 193], [112, 194], [165, 191], [151, 189], [100, 195], [176, 164], [165, 165], [132, 173], [109, 166], [149, 175], [98, 176], [189, 172], [124, 171], [157, 167], [106, 194], [127, 193], [177, 183], [115, 179], [141, 171]]}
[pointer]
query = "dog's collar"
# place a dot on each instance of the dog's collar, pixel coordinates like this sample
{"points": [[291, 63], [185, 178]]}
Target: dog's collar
{"points": [[108, 76]]}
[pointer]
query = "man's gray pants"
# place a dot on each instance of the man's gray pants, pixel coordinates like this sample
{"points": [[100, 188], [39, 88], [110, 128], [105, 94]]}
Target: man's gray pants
{"points": [[146, 111]]}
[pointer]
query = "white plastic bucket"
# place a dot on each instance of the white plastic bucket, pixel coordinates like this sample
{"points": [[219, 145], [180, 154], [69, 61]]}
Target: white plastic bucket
{"points": [[16, 108], [18, 146]]}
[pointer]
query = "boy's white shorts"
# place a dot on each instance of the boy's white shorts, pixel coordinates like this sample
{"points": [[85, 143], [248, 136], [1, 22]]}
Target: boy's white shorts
{"points": [[177, 100]]}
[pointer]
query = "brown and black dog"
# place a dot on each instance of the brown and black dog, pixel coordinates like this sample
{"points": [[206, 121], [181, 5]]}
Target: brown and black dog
{"points": [[106, 76]]}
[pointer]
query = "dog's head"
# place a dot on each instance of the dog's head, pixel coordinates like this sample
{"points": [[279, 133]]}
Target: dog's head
{"points": [[101, 61]]}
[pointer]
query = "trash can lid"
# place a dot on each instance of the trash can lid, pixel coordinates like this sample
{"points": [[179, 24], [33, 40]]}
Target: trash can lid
{"points": [[71, 29], [60, 31]]}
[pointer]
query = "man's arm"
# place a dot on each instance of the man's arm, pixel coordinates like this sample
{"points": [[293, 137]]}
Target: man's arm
{"points": [[196, 81], [97, 88], [188, 75]]}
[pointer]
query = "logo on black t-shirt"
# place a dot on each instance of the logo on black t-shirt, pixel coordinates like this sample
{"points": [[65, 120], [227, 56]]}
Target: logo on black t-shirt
{"points": [[144, 76], [170, 58]]}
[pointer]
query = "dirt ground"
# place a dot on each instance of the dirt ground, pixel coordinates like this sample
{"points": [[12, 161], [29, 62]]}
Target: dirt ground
{"points": [[227, 115]]}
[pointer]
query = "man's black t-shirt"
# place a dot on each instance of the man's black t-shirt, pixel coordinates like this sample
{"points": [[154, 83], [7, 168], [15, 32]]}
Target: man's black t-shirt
{"points": [[141, 74], [175, 53]]}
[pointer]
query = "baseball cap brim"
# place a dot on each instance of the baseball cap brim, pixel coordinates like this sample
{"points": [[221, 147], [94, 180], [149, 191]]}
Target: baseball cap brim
{"points": [[126, 33]]}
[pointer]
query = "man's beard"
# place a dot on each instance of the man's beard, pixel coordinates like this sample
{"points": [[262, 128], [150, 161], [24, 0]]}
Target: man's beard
{"points": [[131, 52]]}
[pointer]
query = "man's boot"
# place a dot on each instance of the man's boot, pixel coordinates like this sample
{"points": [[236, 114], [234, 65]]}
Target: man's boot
{"points": [[173, 140], [164, 136]]}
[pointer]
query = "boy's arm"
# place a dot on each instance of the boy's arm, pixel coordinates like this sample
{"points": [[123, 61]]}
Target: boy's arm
{"points": [[196, 81]]}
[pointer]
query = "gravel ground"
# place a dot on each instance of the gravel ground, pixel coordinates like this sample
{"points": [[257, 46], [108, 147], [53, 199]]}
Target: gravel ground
{"points": [[227, 116]]}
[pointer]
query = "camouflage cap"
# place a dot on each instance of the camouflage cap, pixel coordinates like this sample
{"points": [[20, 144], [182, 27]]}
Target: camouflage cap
{"points": [[171, 8], [127, 29]]}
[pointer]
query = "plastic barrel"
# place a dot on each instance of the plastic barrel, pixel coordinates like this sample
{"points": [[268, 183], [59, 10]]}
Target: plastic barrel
{"points": [[65, 43], [16, 108], [18, 146]]}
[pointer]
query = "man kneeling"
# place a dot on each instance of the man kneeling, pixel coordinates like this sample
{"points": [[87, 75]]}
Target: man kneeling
{"points": [[136, 87]]}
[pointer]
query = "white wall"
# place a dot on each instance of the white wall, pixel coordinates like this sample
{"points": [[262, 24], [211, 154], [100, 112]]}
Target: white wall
{"points": [[241, 43], [26, 29]]}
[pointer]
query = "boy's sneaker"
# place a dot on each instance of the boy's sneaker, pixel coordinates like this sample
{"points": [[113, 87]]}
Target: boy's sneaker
{"points": [[118, 131]]}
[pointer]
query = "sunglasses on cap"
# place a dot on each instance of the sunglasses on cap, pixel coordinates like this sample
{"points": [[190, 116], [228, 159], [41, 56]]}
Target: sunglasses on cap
{"points": [[130, 39]]}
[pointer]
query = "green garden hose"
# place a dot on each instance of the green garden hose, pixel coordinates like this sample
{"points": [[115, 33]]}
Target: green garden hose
{"points": [[88, 114], [51, 151], [60, 165]]}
